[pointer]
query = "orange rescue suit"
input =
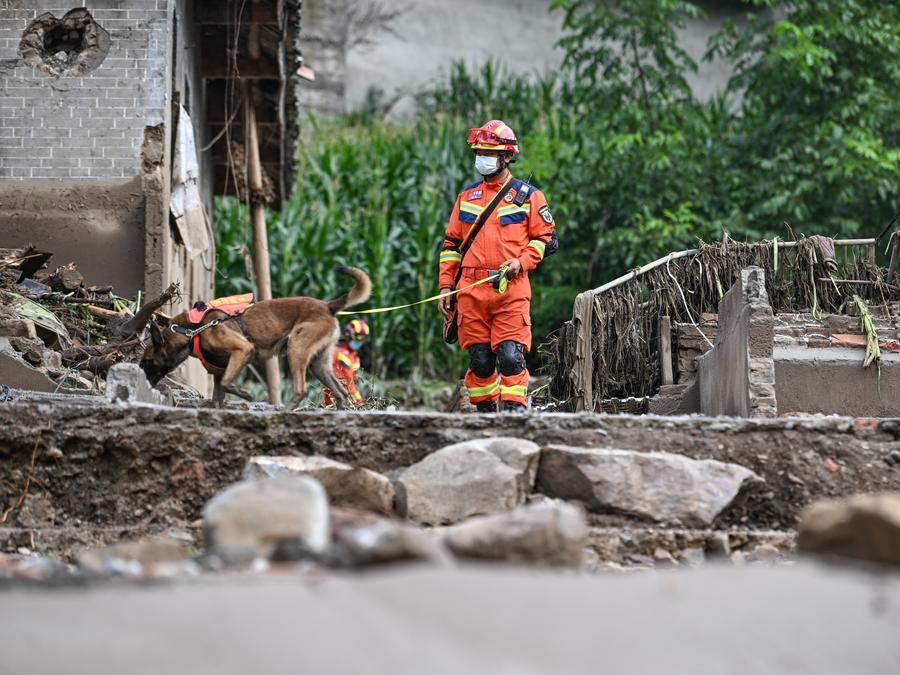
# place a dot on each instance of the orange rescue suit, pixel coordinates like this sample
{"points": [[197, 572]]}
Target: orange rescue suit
{"points": [[346, 365], [485, 316]]}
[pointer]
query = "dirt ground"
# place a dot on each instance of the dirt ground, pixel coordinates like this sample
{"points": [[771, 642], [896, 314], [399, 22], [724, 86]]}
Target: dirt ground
{"points": [[102, 472]]}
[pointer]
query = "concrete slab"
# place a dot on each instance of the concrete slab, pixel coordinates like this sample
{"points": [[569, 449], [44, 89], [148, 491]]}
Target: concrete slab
{"points": [[832, 380], [799, 619]]}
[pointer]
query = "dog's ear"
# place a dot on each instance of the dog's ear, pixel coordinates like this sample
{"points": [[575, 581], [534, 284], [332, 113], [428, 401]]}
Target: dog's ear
{"points": [[155, 334]]}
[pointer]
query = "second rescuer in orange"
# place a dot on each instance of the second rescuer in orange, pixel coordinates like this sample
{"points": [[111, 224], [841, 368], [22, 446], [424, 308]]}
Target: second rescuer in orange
{"points": [[495, 327]]}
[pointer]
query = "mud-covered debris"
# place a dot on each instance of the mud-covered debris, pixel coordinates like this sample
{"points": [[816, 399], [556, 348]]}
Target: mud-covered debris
{"points": [[23, 262], [64, 279], [47, 325], [78, 327]]}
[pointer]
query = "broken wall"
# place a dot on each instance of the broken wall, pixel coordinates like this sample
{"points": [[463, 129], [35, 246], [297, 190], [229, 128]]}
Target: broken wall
{"points": [[86, 126], [737, 377], [72, 130]]}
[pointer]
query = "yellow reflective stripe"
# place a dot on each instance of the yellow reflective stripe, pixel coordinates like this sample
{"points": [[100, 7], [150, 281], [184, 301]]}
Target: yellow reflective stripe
{"points": [[483, 391], [509, 210], [447, 256], [356, 396], [343, 358], [516, 390], [469, 207], [538, 246]]}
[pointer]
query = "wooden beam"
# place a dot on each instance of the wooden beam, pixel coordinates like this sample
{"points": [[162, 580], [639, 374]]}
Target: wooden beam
{"points": [[260, 236], [215, 47], [665, 350], [219, 107], [223, 180], [247, 69], [223, 13]]}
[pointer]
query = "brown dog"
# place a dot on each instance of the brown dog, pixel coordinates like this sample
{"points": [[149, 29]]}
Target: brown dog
{"points": [[304, 328]]}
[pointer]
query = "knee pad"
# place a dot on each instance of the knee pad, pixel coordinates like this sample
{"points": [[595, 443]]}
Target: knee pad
{"points": [[511, 356], [482, 361]]}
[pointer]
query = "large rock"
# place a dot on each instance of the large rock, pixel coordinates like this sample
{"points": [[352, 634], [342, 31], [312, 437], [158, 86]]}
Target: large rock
{"points": [[657, 485], [550, 533], [467, 479], [345, 485], [861, 526], [251, 518]]}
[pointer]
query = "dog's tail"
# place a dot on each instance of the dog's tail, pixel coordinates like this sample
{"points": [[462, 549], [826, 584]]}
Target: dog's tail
{"points": [[360, 292]]}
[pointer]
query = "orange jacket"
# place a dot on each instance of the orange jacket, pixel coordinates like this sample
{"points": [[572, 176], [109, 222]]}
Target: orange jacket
{"points": [[346, 366], [511, 231]]}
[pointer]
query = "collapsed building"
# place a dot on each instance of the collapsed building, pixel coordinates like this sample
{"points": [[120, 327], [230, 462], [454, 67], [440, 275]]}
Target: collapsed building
{"points": [[120, 121], [749, 330]]}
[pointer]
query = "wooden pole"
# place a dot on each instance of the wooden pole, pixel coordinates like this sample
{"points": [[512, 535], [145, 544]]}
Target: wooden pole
{"points": [[892, 266], [665, 350], [260, 238]]}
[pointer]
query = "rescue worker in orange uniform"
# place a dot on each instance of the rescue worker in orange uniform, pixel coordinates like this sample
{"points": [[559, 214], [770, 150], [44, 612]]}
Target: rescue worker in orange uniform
{"points": [[346, 360], [495, 327]]}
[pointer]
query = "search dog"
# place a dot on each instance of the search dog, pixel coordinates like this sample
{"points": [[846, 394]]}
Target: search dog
{"points": [[304, 328]]}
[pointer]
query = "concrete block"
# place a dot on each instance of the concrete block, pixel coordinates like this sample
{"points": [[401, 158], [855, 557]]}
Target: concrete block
{"points": [[127, 383], [17, 328]]}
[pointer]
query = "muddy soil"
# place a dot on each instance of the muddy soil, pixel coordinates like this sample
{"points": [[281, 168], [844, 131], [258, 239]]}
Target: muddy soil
{"points": [[101, 466]]}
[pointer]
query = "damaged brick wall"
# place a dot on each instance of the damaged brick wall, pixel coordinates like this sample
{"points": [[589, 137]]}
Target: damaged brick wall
{"points": [[737, 376], [70, 116], [86, 125]]}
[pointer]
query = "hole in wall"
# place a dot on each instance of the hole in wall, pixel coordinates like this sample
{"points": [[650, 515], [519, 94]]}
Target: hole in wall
{"points": [[68, 47]]}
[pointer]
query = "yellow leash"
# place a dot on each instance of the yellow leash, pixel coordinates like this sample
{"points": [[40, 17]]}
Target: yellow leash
{"points": [[421, 302]]}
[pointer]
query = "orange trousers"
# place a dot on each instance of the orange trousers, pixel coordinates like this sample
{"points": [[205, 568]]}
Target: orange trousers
{"points": [[488, 317]]}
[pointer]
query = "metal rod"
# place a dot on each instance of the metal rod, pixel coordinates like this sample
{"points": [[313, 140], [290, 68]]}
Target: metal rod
{"points": [[857, 282], [691, 251]]}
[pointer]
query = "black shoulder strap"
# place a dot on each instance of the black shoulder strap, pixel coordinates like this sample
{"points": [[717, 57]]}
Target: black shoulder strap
{"points": [[476, 228]]}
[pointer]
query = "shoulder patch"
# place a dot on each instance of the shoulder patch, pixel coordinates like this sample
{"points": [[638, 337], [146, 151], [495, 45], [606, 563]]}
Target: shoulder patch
{"points": [[475, 195], [544, 211]]}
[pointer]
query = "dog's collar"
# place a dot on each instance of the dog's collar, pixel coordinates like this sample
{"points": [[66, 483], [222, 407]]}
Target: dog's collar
{"points": [[181, 330], [192, 332]]}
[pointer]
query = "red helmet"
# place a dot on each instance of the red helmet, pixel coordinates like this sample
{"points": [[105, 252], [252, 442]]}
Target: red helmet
{"points": [[357, 329], [494, 135]]}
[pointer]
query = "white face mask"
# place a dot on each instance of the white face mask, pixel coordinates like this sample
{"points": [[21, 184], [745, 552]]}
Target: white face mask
{"points": [[486, 165]]}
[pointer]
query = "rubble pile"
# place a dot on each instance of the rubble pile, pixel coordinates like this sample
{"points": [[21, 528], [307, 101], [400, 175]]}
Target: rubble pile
{"points": [[197, 492], [56, 333]]}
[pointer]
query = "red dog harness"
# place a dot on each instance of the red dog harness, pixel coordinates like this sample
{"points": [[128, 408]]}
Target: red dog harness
{"points": [[233, 305]]}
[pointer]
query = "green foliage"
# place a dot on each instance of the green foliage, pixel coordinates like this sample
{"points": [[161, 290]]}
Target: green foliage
{"points": [[819, 129], [634, 166]]}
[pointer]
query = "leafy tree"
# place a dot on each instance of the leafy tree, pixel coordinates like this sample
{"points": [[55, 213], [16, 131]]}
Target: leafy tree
{"points": [[818, 129]]}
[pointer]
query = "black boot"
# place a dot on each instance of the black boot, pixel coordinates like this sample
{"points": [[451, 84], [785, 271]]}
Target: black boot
{"points": [[486, 407], [514, 408]]}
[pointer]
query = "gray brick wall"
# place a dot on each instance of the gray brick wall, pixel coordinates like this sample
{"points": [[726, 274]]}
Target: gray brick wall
{"points": [[88, 127]]}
